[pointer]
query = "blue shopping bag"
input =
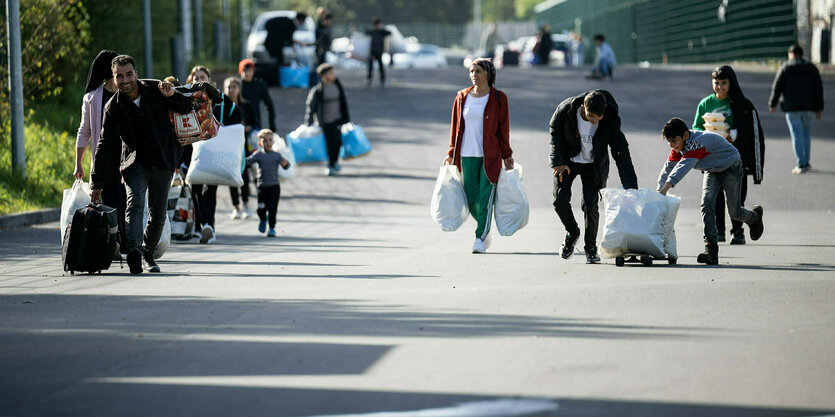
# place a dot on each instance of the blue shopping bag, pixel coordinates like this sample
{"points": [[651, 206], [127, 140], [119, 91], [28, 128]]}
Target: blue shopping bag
{"points": [[295, 76], [354, 141], [308, 144]]}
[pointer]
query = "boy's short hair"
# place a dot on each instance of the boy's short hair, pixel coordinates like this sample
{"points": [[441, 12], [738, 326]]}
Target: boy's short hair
{"points": [[265, 134], [595, 103], [301, 16], [600, 37], [674, 128], [376, 21], [121, 61], [796, 50], [323, 69]]}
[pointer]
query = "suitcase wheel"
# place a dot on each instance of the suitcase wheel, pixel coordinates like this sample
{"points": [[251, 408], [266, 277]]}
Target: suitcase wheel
{"points": [[619, 261], [646, 260], [672, 261]]}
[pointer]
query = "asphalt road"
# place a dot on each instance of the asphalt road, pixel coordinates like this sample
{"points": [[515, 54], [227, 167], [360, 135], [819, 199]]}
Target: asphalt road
{"points": [[362, 305]]}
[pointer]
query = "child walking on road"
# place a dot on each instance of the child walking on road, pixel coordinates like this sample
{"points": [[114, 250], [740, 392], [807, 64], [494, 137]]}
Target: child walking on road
{"points": [[269, 190], [722, 166]]}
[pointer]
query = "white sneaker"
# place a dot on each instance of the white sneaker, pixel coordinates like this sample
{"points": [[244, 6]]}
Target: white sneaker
{"points": [[487, 242], [478, 246], [235, 213], [246, 214], [207, 234]]}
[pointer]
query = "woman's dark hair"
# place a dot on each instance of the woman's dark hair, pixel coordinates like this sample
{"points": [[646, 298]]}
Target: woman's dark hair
{"points": [[487, 65], [737, 97], [121, 61], [100, 70], [194, 70], [595, 102], [236, 80], [674, 128]]}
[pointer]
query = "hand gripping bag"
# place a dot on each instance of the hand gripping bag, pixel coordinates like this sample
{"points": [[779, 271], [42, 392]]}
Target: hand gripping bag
{"points": [[354, 141], [448, 207], [198, 124], [76, 197], [511, 209], [218, 161], [308, 144], [286, 151], [635, 222]]}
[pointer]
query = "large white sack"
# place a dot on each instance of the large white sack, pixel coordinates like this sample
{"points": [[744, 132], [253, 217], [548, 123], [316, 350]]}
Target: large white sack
{"points": [[218, 161], [448, 207], [286, 151], [304, 131], [75, 198], [673, 203], [511, 209], [635, 222]]}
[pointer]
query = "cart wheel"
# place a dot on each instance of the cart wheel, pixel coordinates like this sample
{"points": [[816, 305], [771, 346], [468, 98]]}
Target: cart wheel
{"points": [[646, 260], [72, 272], [91, 272], [672, 261], [619, 261]]}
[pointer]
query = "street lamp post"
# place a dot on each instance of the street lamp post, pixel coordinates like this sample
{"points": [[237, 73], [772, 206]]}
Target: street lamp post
{"points": [[15, 87]]}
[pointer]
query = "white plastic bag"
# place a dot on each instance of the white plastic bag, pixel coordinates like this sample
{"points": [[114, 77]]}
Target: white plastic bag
{"points": [[511, 209], [218, 161], [164, 238], [281, 147], [638, 221], [75, 198], [448, 207], [673, 204]]}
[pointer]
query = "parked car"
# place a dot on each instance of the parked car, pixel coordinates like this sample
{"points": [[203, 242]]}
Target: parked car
{"points": [[420, 55], [266, 66]]}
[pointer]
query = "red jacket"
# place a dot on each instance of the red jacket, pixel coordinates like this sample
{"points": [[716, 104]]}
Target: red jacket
{"points": [[496, 137]]}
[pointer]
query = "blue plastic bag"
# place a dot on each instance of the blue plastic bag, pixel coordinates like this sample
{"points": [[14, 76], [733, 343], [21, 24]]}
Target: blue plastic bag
{"points": [[354, 141], [308, 144], [295, 76]]}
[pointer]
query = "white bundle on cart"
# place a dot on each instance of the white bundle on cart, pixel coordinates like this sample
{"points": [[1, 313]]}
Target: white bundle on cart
{"points": [[639, 221]]}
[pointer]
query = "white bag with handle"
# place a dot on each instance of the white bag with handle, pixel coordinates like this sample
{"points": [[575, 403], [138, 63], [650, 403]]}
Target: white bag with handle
{"points": [[219, 161], [511, 209], [448, 207], [286, 151], [75, 198]]}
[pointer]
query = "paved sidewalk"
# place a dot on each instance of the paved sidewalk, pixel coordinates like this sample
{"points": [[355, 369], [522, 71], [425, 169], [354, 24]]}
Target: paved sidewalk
{"points": [[362, 305]]}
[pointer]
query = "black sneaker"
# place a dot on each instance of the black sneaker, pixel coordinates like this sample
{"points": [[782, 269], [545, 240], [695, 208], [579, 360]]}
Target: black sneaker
{"points": [[567, 250], [710, 256], [756, 229], [148, 263], [135, 262], [591, 256], [738, 237]]}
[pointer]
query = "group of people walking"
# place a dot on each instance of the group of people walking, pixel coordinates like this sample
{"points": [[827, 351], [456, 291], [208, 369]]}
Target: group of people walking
{"points": [[135, 153], [585, 128]]}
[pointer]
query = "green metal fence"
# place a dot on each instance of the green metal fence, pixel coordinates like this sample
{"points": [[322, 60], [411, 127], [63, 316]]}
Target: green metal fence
{"points": [[679, 31]]}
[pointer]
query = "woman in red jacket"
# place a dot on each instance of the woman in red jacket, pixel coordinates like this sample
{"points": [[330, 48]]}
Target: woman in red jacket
{"points": [[479, 142]]}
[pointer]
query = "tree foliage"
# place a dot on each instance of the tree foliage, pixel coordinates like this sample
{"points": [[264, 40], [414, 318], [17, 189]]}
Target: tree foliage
{"points": [[54, 38]]}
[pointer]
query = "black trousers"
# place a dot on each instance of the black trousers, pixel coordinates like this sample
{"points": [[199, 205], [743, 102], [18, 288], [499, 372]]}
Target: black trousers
{"points": [[591, 196], [244, 191], [379, 59], [333, 139], [113, 195], [205, 204], [268, 197], [720, 208]]}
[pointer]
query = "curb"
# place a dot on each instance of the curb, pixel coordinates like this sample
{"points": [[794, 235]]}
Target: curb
{"points": [[30, 218]]}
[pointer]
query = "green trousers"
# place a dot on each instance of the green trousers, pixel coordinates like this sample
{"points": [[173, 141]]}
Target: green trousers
{"points": [[480, 194]]}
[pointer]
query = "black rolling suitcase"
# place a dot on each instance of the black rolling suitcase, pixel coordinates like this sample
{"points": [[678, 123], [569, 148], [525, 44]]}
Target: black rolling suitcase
{"points": [[90, 239]]}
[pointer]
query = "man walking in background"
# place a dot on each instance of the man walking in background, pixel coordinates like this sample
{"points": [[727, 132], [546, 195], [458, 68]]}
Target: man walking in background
{"points": [[378, 46], [799, 89]]}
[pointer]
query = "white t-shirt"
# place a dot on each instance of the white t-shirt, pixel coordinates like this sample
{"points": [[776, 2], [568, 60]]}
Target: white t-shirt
{"points": [[137, 101], [473, 143], [586, 129]]}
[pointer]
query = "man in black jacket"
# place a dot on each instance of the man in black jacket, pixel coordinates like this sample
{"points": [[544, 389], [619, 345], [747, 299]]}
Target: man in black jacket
{"points": [[799, 84], [581, 129], [280, 34], [136, 119]]}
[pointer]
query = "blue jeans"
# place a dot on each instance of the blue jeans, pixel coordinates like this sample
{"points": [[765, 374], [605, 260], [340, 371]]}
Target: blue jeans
{"points": [[800, 127], [731, 181], [140, 181], [604, 67]]}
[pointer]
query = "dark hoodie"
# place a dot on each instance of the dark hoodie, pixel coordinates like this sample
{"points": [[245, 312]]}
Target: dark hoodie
{"points": [[100, 70], [750, 141]]}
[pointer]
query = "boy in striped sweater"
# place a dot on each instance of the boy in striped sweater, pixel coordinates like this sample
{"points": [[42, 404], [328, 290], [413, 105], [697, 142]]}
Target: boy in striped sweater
{"points": [[722, 167]]}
